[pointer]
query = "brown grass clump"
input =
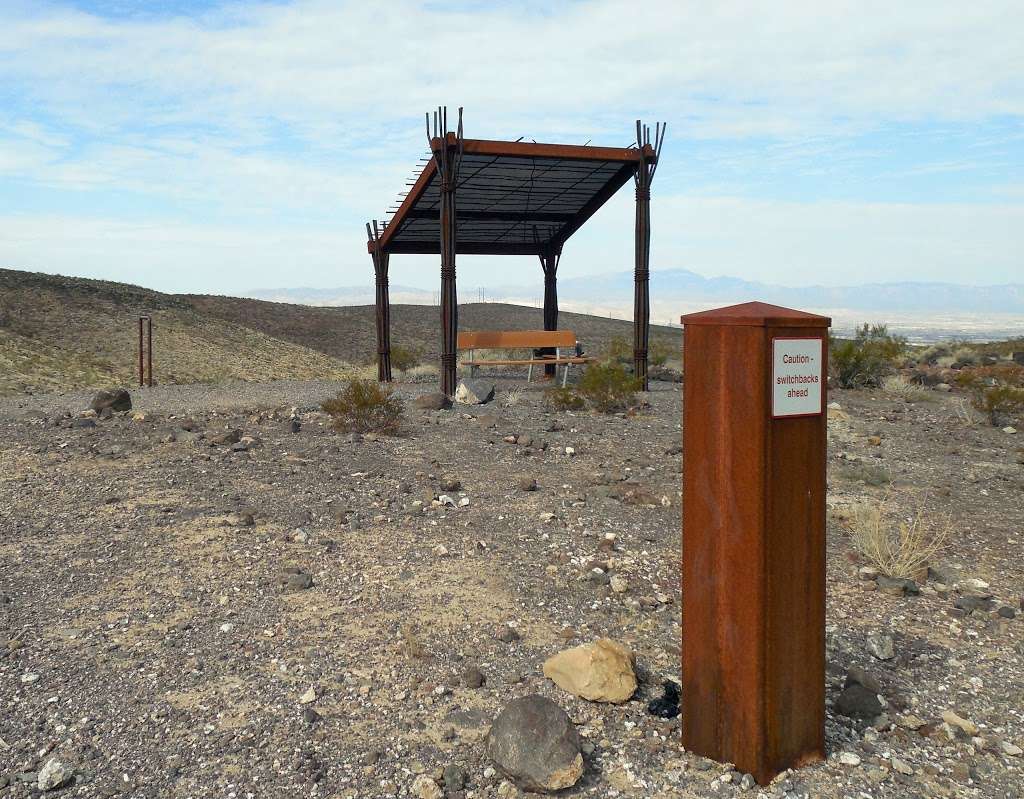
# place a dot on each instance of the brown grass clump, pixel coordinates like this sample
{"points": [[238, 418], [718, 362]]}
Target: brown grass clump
{"points": [[365, 406], [898, 547], [900, 386]]}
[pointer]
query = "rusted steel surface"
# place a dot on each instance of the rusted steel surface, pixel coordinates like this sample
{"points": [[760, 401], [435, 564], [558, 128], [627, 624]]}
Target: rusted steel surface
{"points": [[145, 350], [382, 305], [753, 570], [142, 365], [549, 264], [642, 237], [448, 157]]}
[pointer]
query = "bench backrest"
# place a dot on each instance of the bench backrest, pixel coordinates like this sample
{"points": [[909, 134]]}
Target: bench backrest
{"points": [[515, 339]]}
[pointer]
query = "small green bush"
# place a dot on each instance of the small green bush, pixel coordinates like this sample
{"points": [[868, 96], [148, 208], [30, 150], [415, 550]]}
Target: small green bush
{"points": [[619, 351], [405, 358], [564, 399], [866, 358], [608, 387], [659, 352], [998, 402], [365, 406]]}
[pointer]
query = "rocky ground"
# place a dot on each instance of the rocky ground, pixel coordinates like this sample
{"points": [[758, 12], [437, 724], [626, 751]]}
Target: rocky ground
{"points": [[221, 596]]}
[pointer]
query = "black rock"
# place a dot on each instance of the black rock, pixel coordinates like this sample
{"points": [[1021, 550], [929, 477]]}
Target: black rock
{"points": [[535, 744], [310, 716], [298, 581], [858, 702], [1007, 612], [454, 778], [295, 426], [83, 423], [117, 399], [971, 602], [898, 585], [473, 677], [667, 706]]}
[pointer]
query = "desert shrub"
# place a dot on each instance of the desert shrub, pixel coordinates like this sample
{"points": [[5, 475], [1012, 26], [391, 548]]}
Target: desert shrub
{"points": [[365, 406], [405, 358], [901, 386], [999, 402], [898, 547], [866, 358], [607, 387], [996, 391], [619, 351], [870, 474], [564, 399], [659, 352]]}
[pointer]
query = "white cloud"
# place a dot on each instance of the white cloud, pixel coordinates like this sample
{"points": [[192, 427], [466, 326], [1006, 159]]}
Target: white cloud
{"points": [[264, 132]]}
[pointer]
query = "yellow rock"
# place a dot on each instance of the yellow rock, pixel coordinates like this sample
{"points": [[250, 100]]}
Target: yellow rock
{"points": [[601, 671]]}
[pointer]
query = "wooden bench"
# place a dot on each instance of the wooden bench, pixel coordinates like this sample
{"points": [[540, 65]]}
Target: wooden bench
{"points": [[558, 340]]}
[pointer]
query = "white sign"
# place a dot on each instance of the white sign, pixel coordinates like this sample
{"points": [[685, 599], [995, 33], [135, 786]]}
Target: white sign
{"points": [[797, 376]]}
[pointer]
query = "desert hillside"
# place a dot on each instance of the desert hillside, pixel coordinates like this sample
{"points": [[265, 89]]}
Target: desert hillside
{"points": [[68, 333]]}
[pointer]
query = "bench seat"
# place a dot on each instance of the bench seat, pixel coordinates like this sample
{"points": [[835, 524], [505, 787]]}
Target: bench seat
{"points": [[523, 339]]}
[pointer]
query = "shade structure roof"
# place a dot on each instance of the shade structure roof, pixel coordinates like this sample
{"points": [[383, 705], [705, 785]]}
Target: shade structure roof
{"points": [[512, 198]]}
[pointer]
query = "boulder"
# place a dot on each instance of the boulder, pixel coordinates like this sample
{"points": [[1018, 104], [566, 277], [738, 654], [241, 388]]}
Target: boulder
{"points": [[117, 399], [601, 671], [858, 702], [225, 438], [54, 775], [434, 401], [474, 392], [535, 745]]}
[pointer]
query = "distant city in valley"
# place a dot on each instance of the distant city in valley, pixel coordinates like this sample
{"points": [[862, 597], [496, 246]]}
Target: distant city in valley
{"points": [[921, 311]]}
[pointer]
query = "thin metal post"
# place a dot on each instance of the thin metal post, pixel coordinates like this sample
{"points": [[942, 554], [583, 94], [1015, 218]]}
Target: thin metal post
{"points": [[149, 350], [142, 368]]}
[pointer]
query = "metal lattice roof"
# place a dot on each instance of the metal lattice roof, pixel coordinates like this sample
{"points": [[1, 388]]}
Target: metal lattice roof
{"points": [[512, 198]]}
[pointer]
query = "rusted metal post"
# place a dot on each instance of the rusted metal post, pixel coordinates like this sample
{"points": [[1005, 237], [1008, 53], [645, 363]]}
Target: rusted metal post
{"points": [[142, 366], [642, 271], [549, 263], [383, 302], [447, 152], [753, 570], [149, 350]]}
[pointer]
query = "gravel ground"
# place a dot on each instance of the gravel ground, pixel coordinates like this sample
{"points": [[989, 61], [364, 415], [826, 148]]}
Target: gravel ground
{"points": [[292, 617]]}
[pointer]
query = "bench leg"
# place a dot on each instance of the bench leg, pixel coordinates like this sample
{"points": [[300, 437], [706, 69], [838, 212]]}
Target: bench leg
{"points": [[565, 375], [529, 373]]}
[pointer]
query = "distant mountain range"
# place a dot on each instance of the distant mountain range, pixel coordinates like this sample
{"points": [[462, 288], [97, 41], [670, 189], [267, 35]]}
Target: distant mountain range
{"points": [[681, 286]]}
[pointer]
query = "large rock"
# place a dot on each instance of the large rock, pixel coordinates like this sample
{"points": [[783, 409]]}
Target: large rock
{"points": [[858, 702], [601, 671], [474, 392], [535, 744], [117, 399], [434, 401], [54, 775]]}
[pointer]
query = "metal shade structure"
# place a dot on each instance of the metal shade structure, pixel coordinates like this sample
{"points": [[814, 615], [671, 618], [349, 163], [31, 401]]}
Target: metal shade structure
{"points": [[483, 197]]}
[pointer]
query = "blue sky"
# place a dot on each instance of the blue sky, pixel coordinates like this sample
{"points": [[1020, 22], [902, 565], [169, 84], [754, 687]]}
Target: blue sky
{"points": [[219, 147]]}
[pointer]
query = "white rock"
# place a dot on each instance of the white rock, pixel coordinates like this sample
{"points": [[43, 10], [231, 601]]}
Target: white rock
{"points": [[975, 584], [880, 646], [834, 406], [309, 697], [619, 584], [424, 787], [1010, 430], [1011, 749], [570, 451], [464, 502], [901, 767], [849, 759], [29, 678], [53, 775]]}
